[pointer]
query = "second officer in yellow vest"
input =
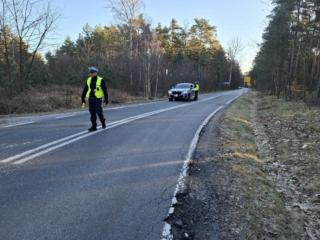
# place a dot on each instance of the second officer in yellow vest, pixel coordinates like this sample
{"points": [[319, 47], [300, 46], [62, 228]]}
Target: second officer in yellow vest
{"points": [[95, 90], [196, 90]]}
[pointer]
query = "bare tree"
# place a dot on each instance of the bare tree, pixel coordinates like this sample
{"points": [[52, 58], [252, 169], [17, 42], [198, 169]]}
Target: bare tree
{"points": [[7, 53], [235, 47], [125, 12], [30, 23]]}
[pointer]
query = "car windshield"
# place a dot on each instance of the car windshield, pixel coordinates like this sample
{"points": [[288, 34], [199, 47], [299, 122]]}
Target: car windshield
{"points": [[182, 85]]}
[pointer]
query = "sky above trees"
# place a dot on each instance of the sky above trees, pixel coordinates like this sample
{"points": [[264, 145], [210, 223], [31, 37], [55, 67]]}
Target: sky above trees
{"points": [[243, 19]]}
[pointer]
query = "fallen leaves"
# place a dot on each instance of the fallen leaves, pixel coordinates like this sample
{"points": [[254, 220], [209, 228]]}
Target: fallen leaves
{"points": [[295, 162]]}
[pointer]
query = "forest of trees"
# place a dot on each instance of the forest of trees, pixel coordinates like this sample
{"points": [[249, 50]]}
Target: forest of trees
{"points": [[131, 55], [290, 49]]}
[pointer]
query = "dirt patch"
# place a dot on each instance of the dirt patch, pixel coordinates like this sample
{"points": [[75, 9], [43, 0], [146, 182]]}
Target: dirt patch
{"points": [[255, 175]]}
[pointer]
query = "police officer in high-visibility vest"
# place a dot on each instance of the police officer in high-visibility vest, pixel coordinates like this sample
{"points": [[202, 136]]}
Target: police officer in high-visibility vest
{"points": [[95, 90], [196, 90]]}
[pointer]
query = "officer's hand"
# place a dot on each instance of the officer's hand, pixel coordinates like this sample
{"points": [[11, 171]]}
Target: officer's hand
{"points": [[106, 101], [83, 101]]}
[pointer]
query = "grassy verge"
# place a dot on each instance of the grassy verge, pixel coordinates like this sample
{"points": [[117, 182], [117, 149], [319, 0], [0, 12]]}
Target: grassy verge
{"points": [[53, 98], [273, 149]]}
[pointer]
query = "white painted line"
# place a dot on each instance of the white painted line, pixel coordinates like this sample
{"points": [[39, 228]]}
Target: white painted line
{"points": [[232, 100], [39, 148], [72, 115], [52, 148], [181, 180], [166, 235], [113, 124], [133, 105], [17, 124], [110, 125]]}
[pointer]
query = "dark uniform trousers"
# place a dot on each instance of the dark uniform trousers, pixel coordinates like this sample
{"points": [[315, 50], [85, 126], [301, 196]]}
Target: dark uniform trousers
{"points": [[95, 108], [195, 95]]}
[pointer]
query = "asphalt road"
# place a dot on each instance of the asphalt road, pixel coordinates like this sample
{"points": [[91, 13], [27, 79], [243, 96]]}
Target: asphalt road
{"points": [[58, 181]]}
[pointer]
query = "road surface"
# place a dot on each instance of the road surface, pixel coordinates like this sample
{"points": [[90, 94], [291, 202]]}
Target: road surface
{"points": [[58, 181]]}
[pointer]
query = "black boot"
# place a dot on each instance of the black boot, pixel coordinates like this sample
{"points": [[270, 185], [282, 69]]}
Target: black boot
{"points": [[103, 122], [93, 128]]}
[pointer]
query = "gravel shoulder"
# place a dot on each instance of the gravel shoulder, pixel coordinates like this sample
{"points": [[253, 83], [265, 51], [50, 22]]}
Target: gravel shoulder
{"points": [[211, 183], [206, 210]]}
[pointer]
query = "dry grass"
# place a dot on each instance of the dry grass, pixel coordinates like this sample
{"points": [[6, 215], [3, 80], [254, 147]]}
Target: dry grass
{"points": [[273, 149], [56, 98], [41, 99]]}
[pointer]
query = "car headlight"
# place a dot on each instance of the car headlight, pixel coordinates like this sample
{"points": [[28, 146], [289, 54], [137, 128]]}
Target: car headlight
{"points": [[185, 92], [169, 92]]}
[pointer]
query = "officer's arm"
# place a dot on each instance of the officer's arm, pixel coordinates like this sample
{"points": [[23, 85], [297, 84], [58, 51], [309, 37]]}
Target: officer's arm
{"points": [[84, 92], [104, 89]]}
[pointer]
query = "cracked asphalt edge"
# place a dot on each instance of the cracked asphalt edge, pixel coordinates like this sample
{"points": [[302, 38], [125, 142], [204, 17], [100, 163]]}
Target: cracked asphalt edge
{"points": [[182, 228]]}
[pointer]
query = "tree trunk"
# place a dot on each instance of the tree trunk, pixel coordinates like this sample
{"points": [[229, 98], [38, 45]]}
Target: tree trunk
{"points": [[130, 57], [314, 64], [21, 63], [293, 49], [318, 89], [297, 61], [317, 74], [157, 78], [8, 66]]}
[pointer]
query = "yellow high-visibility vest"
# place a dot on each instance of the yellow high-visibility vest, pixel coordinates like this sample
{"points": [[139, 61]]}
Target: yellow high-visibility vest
{"points": [[196, 87], [98, 91]]}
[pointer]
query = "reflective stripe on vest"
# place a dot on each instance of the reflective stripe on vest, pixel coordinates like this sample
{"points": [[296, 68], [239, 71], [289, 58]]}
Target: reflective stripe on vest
{"points": [[98, 91]]}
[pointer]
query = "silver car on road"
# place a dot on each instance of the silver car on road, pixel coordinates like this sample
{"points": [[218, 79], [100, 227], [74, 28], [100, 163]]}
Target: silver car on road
{"points": [[182, 91]]}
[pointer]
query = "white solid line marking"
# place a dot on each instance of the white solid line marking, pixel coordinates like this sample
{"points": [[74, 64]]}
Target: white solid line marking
{"points": [[38, 148], [17, 124], [65, 116], [232, 100], [52, 148], [181, 180], [110, 125]]}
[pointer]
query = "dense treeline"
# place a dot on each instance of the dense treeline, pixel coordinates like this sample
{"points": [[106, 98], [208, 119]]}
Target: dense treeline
{"points": [[290, 50], [132, 56]]}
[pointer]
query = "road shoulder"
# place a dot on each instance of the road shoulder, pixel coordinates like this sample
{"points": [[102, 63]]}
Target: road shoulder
{"points": [[207, 210]]}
